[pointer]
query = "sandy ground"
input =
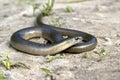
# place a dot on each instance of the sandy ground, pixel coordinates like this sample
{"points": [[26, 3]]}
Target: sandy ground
{"points": [[98, 17]]}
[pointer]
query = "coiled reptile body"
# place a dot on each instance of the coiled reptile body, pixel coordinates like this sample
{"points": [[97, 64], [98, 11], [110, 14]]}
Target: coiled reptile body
{"points": [[20, 40]]}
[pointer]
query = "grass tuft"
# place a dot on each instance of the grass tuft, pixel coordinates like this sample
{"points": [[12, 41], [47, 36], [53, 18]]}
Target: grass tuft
{"points": [[102, 54], [47, 7], [47, 71], [50, 58], [1, 76], [8, 64], [69, 9], [86, 55]]}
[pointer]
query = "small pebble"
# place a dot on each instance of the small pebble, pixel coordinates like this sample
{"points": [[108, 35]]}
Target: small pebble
{"points": [[108, 41], [117, 43], [76, 19]]}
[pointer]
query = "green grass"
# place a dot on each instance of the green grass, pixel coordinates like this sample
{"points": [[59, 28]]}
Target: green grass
{"points": [[101, 53], [69, 9], [35, 7], [47, 7], [86, 55], [26, 1], [5, 60], [1, 76], [47, 71], [50, 58]]}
